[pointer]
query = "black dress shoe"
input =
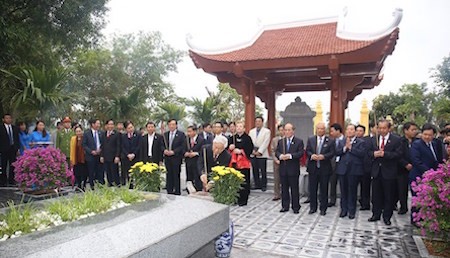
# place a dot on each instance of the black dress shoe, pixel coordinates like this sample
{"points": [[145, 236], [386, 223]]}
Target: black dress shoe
{"points": [[351, 216], [401, 212], [364, 208], [284, 210], [275, 198], [242, 204], [307, 201], [263, 189], [312, 211], [373, 218], [343, 214], [387, 222], [331, 204], [296, 212], [323, 213]]}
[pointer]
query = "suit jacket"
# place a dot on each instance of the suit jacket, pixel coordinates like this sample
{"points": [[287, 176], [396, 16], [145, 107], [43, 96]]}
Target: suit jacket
{"points": [[328, 151], [405, 159], [198, 144], [157, 148], [89, 144], [111, 145], [351, 161], [290, 167], [178, 145], [4, 138], [422, 157], [273, 147], [223, 159], [209, 139], [63, 141], [387, 166], [262, 141], [130, 145]]}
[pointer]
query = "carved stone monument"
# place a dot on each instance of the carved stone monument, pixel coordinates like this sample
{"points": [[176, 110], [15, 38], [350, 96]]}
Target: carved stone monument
{"points": [[301, 116]]}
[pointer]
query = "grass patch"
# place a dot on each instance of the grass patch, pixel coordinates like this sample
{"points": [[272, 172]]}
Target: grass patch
{"points": [[17, 219]]}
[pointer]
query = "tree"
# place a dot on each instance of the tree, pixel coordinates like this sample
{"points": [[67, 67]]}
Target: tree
{"points": [[442, 76], [384, 105], [130, 106], [167, 111], [203, 111], [34, 91], [134, 63], [413, 106]]}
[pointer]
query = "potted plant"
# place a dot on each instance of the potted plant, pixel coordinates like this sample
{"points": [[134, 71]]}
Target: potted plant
{"points": [[42, 170], [227, 182], [147, 176], [433, 203]]}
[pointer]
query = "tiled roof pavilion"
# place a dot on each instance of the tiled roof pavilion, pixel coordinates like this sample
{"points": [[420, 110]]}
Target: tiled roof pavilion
{"points": [[300, 58]]}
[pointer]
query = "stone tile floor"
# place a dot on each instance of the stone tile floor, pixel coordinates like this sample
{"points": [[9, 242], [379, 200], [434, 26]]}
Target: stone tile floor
{"points": [[260, 226]]}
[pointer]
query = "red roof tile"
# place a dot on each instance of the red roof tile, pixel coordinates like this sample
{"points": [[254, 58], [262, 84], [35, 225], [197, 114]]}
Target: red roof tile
{"points": [[304, 41]]}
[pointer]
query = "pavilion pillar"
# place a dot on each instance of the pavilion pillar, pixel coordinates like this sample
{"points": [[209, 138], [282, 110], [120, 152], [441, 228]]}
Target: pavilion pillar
{"points": [[271, 113], [249, 101], [337, 109]]}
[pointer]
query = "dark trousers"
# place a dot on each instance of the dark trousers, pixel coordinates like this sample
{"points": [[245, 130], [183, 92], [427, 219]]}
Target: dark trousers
{"points": [[193, 174], [112, 173], [316, 178], [81, 174], [343, 186], [7, 157], [150, 160], [402, 190], [333, 186], [95, 171], [173, 166], [365, 190], [126, 166], [383, 192], [245, 187], [259, 167], [353, 181], [290, 183]]}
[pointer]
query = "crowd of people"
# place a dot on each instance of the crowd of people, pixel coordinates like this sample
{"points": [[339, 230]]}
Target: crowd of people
{"points": [[382, 164]]}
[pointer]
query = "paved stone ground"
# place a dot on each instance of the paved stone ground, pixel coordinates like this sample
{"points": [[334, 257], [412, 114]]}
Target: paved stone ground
{"points": [[261, 227]]}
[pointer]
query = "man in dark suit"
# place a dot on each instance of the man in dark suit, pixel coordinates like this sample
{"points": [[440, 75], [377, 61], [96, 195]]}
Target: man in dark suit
{"points": [[366, 178], [129, 148], [110, 155], [350, 170], [289, 151], [151, 146], [339, 141], [320, 150], [207, 134], [426, 154], [92, 144], [9, 149], [194, 145], [405, 166], [384, 153], [212, 155], [173, 156]]}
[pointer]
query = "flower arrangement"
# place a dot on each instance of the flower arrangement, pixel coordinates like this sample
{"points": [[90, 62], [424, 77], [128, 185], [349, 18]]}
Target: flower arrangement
{"points": [[147, 177], [433, 202], [227, 182], [42, 168]]}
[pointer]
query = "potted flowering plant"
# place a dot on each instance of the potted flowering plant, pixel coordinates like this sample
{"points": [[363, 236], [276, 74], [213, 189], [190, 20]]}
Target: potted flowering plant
{"points": [[42, 170], [433, 203], [147, 176], [227, 182]]}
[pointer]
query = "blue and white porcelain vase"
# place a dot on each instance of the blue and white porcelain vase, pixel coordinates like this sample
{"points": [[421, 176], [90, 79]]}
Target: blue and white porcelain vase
{"points": [[224, 242]]}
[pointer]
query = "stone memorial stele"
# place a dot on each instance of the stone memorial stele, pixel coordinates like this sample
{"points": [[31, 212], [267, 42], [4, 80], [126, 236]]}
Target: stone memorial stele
{"points": [[301, 116]]}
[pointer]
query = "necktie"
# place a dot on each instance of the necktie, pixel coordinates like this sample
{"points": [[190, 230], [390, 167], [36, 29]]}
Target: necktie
{"points": [[319, 148], [432, 151], [288, 144], [192, 142], [257, 132], [129, 135], [96, 139], [382, 143], [10, 134], [170, 140]]}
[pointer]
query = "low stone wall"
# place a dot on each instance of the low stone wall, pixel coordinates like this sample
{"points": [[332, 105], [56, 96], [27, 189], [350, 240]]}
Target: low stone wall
{"points": [[172, 226]]}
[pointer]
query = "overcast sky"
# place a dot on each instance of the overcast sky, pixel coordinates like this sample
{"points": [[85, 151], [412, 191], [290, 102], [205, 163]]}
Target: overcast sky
{"points": [[423, 41]]}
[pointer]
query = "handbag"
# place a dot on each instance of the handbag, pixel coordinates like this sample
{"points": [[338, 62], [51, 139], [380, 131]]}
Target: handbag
{"points": [[239, 161]]}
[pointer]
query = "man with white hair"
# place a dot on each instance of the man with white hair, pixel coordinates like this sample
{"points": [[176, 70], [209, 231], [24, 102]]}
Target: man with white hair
{"points": [[214, 155]]}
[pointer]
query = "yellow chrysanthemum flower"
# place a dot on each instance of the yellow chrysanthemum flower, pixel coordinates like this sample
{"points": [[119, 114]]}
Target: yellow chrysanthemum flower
{"points": [[216, 178]]}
